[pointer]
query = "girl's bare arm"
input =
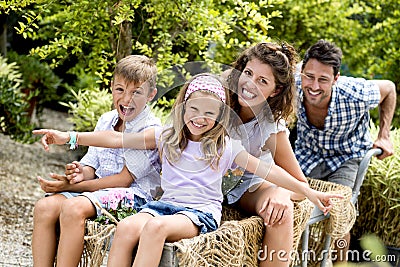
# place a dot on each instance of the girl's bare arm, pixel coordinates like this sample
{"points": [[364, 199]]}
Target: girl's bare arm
{"points": [[280, 177], [110, 139]]}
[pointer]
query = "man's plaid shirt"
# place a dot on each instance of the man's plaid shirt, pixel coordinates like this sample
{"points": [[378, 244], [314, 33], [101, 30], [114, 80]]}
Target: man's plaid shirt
{"points": [[346, 131]]}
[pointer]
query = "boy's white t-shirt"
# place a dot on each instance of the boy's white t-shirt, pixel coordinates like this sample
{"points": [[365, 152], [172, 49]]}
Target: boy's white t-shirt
{"points": [[105, 161], [193, 183], [143, 164]]}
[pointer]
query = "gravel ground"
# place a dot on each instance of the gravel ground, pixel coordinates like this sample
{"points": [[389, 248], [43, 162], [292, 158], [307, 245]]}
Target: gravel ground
{"points": [[19, 190]]}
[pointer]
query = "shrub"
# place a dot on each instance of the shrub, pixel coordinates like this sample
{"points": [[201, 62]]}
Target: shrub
{"points": [[38, 81], [89, 105], [162, 108], [379, 201], [87, 102], [13, 104]]}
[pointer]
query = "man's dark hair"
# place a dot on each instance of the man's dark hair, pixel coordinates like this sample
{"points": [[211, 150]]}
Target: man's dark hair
{"points": [[325, 52]]}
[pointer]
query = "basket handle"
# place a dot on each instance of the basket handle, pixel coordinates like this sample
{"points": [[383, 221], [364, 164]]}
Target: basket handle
{"points": [[109, 215]]}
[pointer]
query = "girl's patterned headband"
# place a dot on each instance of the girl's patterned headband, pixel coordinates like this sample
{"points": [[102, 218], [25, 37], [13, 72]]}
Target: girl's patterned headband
{"points": [[206, 83]]}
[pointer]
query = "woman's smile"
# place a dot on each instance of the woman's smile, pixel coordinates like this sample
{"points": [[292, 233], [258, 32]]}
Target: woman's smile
{"points": [[246, 94]]}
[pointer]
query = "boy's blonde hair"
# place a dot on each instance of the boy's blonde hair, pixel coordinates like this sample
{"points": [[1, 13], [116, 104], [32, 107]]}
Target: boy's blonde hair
{"points": [[175, 138], [137, 69]]}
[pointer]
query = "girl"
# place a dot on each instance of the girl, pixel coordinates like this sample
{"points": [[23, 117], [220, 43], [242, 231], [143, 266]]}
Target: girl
{"points": [[262, 81], [195, 153]]}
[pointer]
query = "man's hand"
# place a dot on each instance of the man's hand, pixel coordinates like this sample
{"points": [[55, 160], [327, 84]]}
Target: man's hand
{"points": [[60, 183], [386, 145]]}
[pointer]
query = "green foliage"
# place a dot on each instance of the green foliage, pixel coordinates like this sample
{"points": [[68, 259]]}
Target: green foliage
{"points": [[37, 78], [379, 201], [162, 108], [88, 103], [367, 32], [304, 22], [377, 50], [375, 245], [93, 34], [373, 250], [13, 105], [12, 5], [91, 31], [119, 214]]}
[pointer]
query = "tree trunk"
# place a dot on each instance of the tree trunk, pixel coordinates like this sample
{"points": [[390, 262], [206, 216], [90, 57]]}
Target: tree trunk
{"points": [[3, 35], [32, 101], [125, 40]]}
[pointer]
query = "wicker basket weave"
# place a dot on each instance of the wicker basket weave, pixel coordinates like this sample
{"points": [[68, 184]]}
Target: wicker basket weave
{"points": [[235, 243], [341, 220], [343, 212], [97, 240]]}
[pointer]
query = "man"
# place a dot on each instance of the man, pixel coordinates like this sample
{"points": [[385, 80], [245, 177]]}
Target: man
{"points": [[333, 118]]}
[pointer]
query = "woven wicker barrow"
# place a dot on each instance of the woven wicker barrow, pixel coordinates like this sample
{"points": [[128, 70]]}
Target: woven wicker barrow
{"points": [[235, 243]]}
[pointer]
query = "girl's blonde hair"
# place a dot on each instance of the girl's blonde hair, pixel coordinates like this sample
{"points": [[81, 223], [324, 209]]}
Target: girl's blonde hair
{"points": [[175, 138], [282, 59]]}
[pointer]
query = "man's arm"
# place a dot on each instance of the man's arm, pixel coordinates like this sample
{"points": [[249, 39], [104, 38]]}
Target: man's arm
{"points": [[387, 106]]}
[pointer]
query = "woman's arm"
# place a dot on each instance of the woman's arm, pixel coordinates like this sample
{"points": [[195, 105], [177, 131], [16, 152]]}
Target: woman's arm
{"points": [[270, 172], [284, 155], [110, 139]]}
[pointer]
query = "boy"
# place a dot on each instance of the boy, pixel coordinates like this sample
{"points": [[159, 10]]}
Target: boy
{"points": [[133, 86]]}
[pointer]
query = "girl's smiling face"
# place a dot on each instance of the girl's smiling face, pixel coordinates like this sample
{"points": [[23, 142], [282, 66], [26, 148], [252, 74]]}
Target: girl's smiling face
{"points": [[201, 113], [256, 84]]}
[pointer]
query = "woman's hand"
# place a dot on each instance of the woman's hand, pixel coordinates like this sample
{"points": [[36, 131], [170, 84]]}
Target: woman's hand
{"points": [[52, 137], [275, 206]]}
